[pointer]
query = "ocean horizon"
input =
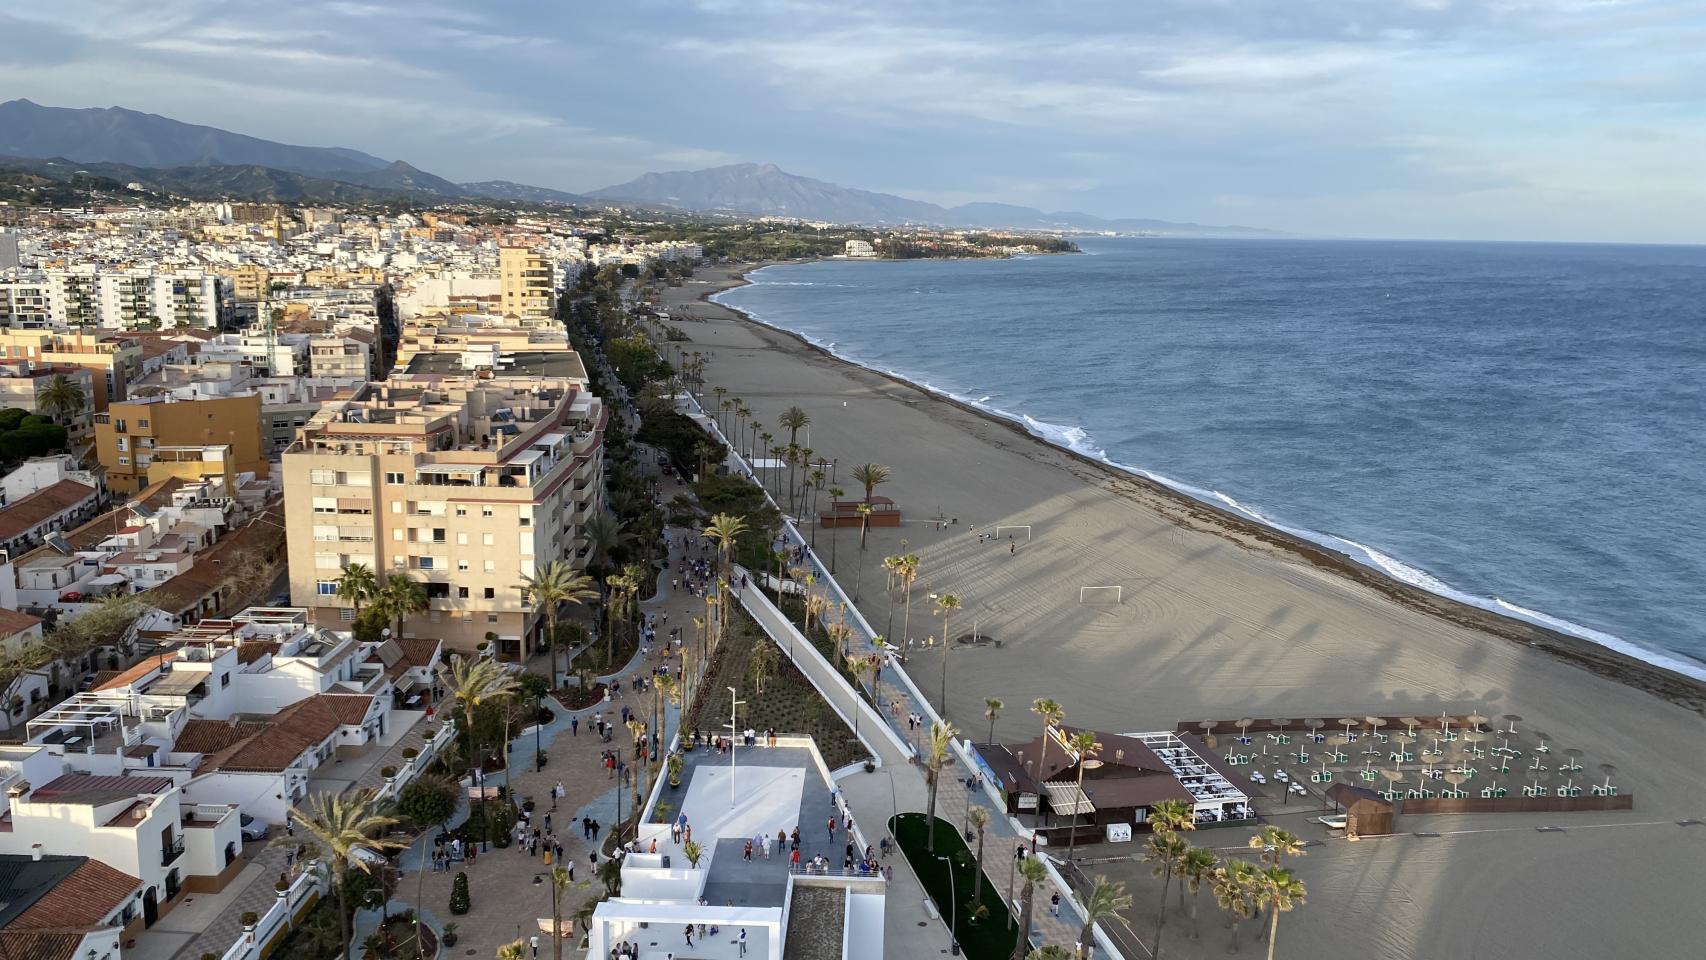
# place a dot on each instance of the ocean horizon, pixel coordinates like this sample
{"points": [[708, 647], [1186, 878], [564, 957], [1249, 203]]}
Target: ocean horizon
{"points": [[1514, 426]]}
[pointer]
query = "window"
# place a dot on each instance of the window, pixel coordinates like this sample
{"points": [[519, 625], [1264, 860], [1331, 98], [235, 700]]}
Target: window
{"points": [[462, 565], [462, 511], [325, 504], [394, 478], [326, 588], [425, 563], [322, 476], [485, 511], [397, 506], [346, 613], [491, 618], [462, 539], [225, 680], [487, 539], [491, 593], [123, 443], [124, 461], [527, 521], [437, 534], [491, 566], [462, 593]]}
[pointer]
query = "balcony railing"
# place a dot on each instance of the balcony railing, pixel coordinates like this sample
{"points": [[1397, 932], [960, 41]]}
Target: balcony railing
{"points": [[170, 853]]}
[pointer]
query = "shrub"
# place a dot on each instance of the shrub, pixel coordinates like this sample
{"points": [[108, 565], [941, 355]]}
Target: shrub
{"points": [[409, 753], [388, 772], [250, 918], [459, 902], [281, 886]]}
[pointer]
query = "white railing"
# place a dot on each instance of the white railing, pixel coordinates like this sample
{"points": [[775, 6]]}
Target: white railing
{"points": [[412, 767], [249, 943]]}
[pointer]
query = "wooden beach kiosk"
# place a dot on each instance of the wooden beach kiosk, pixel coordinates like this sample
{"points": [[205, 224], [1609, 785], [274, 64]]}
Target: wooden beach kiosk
{"points": [[845, 513], [1366, 814]]}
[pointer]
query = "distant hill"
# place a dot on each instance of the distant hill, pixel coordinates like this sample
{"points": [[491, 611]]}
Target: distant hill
{"points": [[766, 189], [117, 135], [521, 192], [225, 182]]}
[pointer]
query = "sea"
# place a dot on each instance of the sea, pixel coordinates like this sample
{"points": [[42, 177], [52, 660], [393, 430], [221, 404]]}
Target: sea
{"points": [[1521, 427]]}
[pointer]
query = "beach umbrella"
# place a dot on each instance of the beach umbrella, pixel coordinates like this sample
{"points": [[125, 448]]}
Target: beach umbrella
{"points": [[1475, 720], [1314, 725], [1572, 760], [1349, 722], [1208, 727], [1279, 728], [1474, 739], [1608, 770], [1542, 737], [1456, 780], [1393, 779], [1445, 724], [1511, 719], [1375, 723], [1243, 726], [1410, 723]]}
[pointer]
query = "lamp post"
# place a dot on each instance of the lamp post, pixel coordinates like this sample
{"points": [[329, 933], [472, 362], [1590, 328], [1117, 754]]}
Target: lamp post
{"points": [[953, 908], [734, 706], [485, 825], [538, 749]]}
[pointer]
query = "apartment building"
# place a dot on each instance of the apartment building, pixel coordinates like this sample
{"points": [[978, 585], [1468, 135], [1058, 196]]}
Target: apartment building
{"points": [[527, 282], [22, 383], [464, 483], [141, 298], [114, 361], [129, 436], [24, 304]]}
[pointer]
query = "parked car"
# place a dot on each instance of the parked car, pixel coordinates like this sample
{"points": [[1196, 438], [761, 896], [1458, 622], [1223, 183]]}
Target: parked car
{"points": [[84, 684], [253, 829], [1334, 821]]}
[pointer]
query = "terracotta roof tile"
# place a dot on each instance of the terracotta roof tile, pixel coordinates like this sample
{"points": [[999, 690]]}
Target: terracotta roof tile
{"points": [[92, 789], [137, 671], [43, 505], [13, 623], [294, 730], [39, 944]]}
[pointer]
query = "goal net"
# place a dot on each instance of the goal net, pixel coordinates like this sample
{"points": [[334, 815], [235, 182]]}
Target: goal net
{"points": [[1015, 528], [1100, 595]]}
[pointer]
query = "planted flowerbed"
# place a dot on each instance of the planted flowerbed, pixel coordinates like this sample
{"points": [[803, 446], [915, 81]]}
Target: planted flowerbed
{"points": [[789, 704], [986, 929]]}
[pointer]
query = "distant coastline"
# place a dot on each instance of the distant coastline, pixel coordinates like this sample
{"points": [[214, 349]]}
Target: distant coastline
{"points": [[1675, 687]]}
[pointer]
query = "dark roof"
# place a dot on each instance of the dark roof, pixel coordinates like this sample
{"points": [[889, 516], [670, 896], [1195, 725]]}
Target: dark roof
{"points": [[84, 898], [212, 736], [57, 893], [43, 505], [263, 536], [93, 790], [1348, 795]]}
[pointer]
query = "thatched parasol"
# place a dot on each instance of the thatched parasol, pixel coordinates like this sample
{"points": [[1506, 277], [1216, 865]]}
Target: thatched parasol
{"points": [[1410, 723], [1608, 770], [1511, 719], [1349, 722], [1475, 720], [1314, 725]]}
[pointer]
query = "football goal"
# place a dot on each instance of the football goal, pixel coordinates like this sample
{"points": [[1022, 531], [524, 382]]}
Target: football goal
{"points": [[1100, 595], [1015, 528]]}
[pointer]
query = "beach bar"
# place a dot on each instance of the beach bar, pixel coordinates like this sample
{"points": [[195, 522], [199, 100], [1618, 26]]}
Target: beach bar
{"points": [[845, 513], [1117, 784]]}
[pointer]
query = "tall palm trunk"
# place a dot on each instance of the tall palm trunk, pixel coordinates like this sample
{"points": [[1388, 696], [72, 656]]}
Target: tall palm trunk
{"points": [[1273, 929], [1161, 914], [340, 877]]}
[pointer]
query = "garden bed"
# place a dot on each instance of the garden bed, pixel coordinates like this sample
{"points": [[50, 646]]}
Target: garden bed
{"points": [[397, 939], [989, 938], [579, 698], [789, 704]]}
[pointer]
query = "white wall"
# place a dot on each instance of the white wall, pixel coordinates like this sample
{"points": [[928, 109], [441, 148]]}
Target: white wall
{"points": [[257, 794]]}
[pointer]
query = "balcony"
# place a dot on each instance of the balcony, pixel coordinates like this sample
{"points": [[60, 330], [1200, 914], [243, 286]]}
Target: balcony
{"points": [[170, 853]]}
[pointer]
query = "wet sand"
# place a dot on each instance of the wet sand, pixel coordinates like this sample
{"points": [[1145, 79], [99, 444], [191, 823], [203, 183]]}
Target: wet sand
{"points": [[1224, 619]]}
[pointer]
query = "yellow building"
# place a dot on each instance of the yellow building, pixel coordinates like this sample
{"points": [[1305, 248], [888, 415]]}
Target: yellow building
{"points": [[130, 436], [248, 281], [112, 363], [526, 282], [465, 484], [213, 461]]}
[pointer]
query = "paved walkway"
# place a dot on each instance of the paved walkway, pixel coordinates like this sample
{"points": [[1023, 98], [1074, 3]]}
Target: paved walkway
{"points": [[219, 916]]}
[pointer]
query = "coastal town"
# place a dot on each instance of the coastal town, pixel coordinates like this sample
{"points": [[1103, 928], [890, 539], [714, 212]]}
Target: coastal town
{"points": [[390, 584]]}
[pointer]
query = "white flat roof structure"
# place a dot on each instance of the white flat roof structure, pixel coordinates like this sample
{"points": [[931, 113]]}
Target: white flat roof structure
{"points": [[1205, 783]]}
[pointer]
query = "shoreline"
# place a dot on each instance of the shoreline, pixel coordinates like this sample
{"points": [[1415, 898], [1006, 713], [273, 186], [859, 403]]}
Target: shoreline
{"points": [[1185, 510]]}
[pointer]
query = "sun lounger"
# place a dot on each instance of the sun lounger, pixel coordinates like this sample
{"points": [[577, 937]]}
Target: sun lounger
{"points": [[1300, 758], [1321, 776], [1370, 775], [1339, 756]]}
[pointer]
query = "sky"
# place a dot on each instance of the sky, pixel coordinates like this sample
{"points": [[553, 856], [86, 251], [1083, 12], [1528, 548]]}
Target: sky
{"points": [[1502, 119]]}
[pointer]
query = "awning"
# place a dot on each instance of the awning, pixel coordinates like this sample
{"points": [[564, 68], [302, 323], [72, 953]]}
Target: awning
{"points": [[1067, 799], [176, 684]]}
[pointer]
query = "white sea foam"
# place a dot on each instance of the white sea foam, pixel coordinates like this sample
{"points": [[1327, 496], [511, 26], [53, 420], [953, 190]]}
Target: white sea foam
{"points": [[1077, 440]]}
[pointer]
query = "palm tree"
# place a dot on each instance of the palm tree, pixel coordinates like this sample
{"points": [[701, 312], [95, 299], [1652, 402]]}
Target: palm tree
{"points": [[1196, 870], [815, 481], [936, 754], [1050, 951], [891, 566], [721, 392], [1052, 713], [1167, 818], [336, 826], [559, 886], [62, 399], [1033, 872], [604, 535], [1235, 888], [1106, 901], [1275, 843], [795, 420], [402, 597], [862, 669], [553, 584], [946, 604], [869, 475], [1083, 744], [835, 494], [514, 950], [725, 530], [992, 707], [358, 585], [471, 681], [839, 633], [908, 574], [978, 819], [1281, 891]]}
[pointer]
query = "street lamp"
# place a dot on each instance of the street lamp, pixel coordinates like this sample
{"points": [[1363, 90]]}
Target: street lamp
{"points": [[734, 706], [953, 908], [485, 825]]}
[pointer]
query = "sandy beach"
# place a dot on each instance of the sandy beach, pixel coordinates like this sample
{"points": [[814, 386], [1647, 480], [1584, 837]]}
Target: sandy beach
{"points": [[1222, 619]]}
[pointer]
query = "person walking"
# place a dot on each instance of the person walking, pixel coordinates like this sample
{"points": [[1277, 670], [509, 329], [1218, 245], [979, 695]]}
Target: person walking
{"points": [[743, 941], [1054, 904], [690, 935], [574, 726]]}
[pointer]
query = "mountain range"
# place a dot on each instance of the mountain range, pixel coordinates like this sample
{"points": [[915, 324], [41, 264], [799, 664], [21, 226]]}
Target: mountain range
{"points": [[206, 162]]}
